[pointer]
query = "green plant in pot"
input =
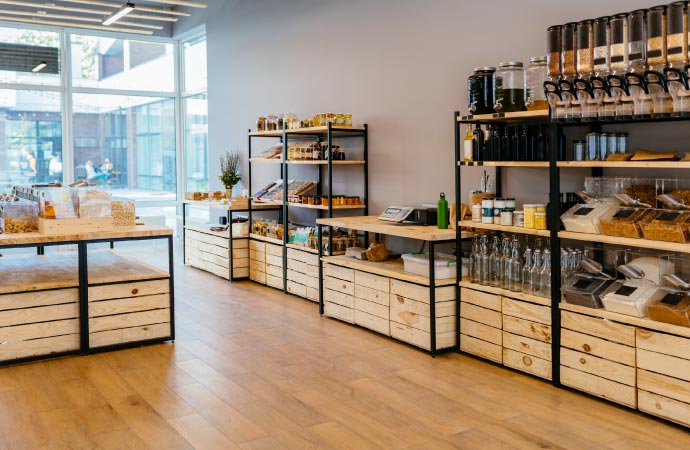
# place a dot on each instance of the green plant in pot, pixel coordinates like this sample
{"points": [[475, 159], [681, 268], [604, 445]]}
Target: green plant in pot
{"points": [[230, 170]]}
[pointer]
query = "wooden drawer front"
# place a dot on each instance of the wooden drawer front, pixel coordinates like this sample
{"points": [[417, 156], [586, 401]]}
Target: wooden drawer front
{"points": [[259, 277], [134, 334], [241, 272], [312, 294], [257, 255], [257, 265], [257, 246], [623, 334], [372, 322], [240, 263], [483, 299], [38, 298], [663, 343], [481, 331], [222, 261], [128, 305], [341, 273], [598, 347], [443, 309], [421, 339], [39, 347], [335, 284], [138, 289], [663, 385], [372, 295], [136, 319], [297, 289], [274, 271], [313, 282], [297, 277], [376, 282], [198, 247], [274, 260], [338, 298], [299, 266], [527, 363], [527, 328], [527, 345], [20, 333], [663, 364], [274, 250], [604, 368], [339, 312], [274, 282], [482, 315], [208, 238], [600, 387], [421, 293], [527, 311], [372, 308], [240, 252], [239, 243], [443, 324], [481, 348], [198, 263], [43, 314], [665, 407], [305, 257]]}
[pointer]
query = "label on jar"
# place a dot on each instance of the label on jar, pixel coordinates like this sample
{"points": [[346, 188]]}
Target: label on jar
{"points": [[668, 216], [583, 211], [636, 56], [675, 50], [673, 298], [650, 54], [624, 213], [582, 284], [476, 213], [625, 291], [617, 59], [488, 212]]}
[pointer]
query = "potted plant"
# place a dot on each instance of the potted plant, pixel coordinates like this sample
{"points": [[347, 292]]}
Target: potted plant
{"points": [[230, 171]]}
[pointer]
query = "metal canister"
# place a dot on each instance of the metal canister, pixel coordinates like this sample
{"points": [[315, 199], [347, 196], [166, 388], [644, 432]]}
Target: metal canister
{"points": [[622, 142], [592, 146], [612, 144], [579, 150], [603, 146]]}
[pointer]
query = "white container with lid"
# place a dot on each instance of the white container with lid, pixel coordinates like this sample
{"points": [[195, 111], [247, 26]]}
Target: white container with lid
{"points": [[445, 266]]}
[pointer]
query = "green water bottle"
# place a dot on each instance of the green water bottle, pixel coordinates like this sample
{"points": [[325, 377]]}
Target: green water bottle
{"points": [[442, 212]]}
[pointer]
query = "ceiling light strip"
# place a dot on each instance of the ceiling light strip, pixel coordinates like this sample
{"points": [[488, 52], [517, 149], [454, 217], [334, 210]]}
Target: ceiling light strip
{"points": [[182, 3], [46, 15], [99, 12], [119, 14], [139, 7], [75, 25]]}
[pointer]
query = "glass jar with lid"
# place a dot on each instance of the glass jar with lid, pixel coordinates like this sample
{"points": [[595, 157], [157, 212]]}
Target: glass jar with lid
{"points": [[619, 44], [480, 91], [637, 41], [509, 87], [535, 75], [677, 34], [600, 31], [656, 38], [553, 51], [585, 49], [568, 37]]}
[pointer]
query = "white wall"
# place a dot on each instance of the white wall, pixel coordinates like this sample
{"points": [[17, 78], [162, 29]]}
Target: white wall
{"points": [[399, 65]]}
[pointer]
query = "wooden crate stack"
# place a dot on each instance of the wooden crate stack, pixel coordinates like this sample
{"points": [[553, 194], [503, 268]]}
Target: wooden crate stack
{"points": [[303, 274], [210, 251]]}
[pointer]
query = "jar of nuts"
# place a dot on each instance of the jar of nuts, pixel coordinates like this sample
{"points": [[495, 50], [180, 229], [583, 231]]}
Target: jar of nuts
{"points": [[123, 213]]}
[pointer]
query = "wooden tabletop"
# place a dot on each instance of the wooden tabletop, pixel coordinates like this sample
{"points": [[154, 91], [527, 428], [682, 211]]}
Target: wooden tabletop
{"points": [[372, 224], [122, 233]]}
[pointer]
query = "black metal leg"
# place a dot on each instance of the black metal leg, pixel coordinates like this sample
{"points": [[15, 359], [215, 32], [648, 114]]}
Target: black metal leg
{"points": [[458, 230], [40, 250], [232, 272], [83, 269], [184, 231], [112, 245], [432, 297], [319, 230], [555, 257], [171, 272]]}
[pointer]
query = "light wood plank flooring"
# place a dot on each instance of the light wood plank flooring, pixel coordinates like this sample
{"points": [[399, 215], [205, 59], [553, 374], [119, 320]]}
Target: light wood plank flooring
{"points": [[253, 369]]}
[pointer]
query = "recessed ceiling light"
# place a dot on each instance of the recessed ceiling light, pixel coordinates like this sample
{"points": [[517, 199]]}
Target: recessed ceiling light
{"points": [[40, 66], [119, 14]]}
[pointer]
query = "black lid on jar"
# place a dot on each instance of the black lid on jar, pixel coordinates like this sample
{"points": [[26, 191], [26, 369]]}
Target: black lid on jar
{"points": [[636, 25], [568, 36], [655, 21], [553, 39], [618, 28], [601, 31], [675, 17], [584, 32], [484, 69]]}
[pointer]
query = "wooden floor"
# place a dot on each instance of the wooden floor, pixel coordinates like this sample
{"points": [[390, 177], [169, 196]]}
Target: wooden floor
{"points": [[254, 369]]}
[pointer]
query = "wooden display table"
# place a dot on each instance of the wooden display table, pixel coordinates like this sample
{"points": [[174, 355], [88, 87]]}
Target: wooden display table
{"points": [[78, 302]]}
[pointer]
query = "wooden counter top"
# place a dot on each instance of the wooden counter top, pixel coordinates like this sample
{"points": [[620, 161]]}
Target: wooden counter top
{"points": [[215, 204], [373, 225], [123, 233]]}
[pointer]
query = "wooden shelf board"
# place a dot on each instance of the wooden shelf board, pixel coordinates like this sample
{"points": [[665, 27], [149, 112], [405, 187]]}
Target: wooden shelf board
{"points": [[505, 293], [372, 224], [643, 322], [392, 268], [266, 160], [221, 234], [25, 273], [627, 164], [503, 163], [628, 242], [120, 233], [542, 114], [214, 204], [257, 237], [316, 131], [503, 228], [325, 208], [324, 163], [109, 266]]}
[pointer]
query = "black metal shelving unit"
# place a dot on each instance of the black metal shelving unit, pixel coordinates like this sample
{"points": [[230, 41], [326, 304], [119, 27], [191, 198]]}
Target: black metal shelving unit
{"points": [[325, 171]]}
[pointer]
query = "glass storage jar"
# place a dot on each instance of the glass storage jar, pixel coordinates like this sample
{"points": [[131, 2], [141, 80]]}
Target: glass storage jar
{"points": [[637, 41], [509, 87], [553, 51], [585, 49], [656, 38], [535, 76], [480, 91], [600, 30], [619, 44], [568, 38], [677, 34]]}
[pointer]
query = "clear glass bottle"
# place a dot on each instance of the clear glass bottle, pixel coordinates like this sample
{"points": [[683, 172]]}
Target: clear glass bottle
{"points": [[568, 37], [619, 44], [509, 87], [484, 262], [656, 38], [553, 51], [505, 264], [637, 41], [527, 286], [495, 263], [474, 261], [585, 49], [535, 76], [515, 267], [677, 34], [535, 271], [602, 44], [545, 276]]}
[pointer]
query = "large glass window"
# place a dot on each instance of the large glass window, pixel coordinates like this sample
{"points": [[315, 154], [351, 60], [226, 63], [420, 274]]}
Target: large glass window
{"points": [[195, 68], [196, 142], [29, 57]]}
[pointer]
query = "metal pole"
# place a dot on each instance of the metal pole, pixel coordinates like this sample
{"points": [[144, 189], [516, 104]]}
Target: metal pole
{"points": [[232, 272], [366, 169], [171, 272], [554, 175], [320, 250], [458, 230], [285, 209], [432, 298], [83, 269]]}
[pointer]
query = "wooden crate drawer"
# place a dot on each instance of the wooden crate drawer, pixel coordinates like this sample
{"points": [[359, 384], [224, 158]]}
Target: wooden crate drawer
{"points": [[193, 246], [443, 324], [274, 271], [208, 238], [372, 322], [297, 277], [481, 331], [241, 272], [481, 348], [604, 368], [240, 253], [259, 277], [663, 385], [51, 313], [128, 305], [138, 289], [206, 266], [376, 282], [257, 246], [372, 295], [313, 282], [274, 250], [341, 273], [39, 347], [305, 257], [598, 347], [20, 333], [134, 334], [482, 315], [421, 293], [257, 256], [240, 243], [527, 311], [483, 299], [339, 312], [274, 282], [399, 303], [600, 387], [338, 298], [665, 407], [421, 339], [38, 298], [605, 329], [299, 266], [274, 260], [222, 261], [372, 308], [336, 284], [527, 345], [664, 343], [240, 263], [527, 363], [312, 294], [297, 289], [136, 319], [663, 364], [527, 328]]}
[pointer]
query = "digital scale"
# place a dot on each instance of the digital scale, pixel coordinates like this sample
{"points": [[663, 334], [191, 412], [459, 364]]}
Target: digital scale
{"points": [[409, 214]]}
